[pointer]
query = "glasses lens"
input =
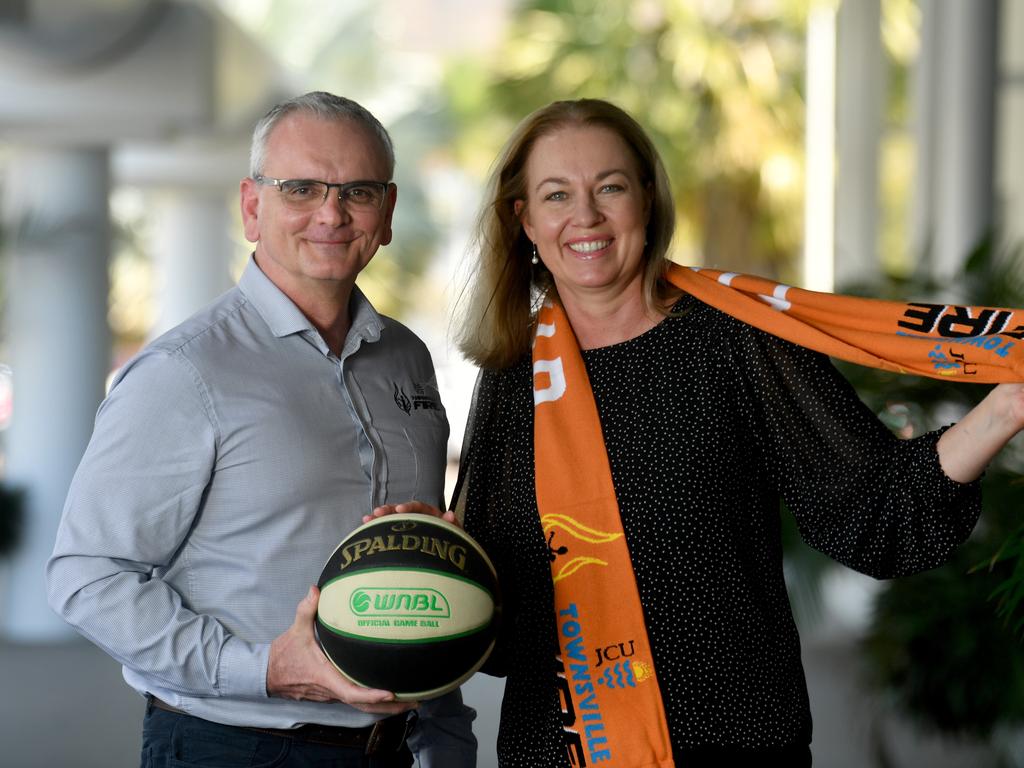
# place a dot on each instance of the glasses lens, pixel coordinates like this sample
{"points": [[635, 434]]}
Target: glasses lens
{"points": [[360, 195], [303, 195]]}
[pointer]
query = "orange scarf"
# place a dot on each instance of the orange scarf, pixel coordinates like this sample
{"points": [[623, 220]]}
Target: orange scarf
{"points": [[612, 711], [611, 704], [943, 341]]}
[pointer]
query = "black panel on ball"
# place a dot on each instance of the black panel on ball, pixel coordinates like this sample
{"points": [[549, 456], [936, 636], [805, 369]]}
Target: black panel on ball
{"points": [[406, 668]]}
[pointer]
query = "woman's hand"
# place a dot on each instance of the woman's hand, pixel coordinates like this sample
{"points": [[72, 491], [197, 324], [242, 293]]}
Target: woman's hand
{"points": [[418, 507], [1014, 394], [966, 448]]}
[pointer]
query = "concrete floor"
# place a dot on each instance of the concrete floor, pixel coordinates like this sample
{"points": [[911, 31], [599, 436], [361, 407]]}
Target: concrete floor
{"points": [[65, 705]]}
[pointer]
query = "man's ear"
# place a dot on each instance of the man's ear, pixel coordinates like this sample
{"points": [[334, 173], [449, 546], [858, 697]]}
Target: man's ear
{"points": [[249, 200], [390, 205]]}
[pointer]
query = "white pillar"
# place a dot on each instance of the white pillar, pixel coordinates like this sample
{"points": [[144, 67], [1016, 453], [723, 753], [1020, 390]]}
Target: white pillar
{"points": [[191, 250], [56, 214], [860, 74], [924, 98], [1010, 111], [965, 84]]}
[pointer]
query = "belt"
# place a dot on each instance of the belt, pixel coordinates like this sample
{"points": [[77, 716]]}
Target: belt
{"points": [[387, 735]]}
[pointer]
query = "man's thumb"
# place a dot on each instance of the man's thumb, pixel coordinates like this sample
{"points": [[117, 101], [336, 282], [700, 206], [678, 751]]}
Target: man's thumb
{"points": [[307, 606]]}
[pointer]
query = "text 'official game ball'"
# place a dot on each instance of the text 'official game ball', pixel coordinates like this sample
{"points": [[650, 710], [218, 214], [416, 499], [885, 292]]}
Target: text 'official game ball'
{"points": [[408, 603]]}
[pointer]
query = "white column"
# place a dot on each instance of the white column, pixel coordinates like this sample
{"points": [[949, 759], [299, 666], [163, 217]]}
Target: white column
{"points": [[56, 215], [1010, 112], [924, 99], [860, 74], [965, 85], [191, 250]]}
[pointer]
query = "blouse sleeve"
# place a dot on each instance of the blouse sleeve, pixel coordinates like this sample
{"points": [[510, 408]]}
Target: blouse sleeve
{"points": [[870, 500]]}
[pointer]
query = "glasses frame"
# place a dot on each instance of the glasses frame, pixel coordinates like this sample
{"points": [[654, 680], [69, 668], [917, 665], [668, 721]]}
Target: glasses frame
{"points": [[341, 187]]}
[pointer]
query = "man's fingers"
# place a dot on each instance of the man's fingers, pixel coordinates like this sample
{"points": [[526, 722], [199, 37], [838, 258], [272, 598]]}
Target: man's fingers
{"points": [[306, 609], [406, 507], [391, 708], [375, 701], [298, 669], [372, 700], [412, 506], [419, 507], [384, 509]]}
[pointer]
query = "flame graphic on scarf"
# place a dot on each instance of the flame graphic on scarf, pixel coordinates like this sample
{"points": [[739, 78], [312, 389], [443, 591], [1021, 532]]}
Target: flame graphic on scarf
{"points": [[577, 530]]}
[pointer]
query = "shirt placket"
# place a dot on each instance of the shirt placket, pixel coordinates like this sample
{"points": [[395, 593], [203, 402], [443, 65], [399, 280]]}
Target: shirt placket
{"points": [[372, 456]]}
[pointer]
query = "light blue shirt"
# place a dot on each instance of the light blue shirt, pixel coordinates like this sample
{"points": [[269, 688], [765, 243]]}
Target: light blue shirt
{"points": [[228, 460]]}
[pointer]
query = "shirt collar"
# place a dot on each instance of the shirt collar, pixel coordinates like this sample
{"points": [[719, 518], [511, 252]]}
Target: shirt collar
{"points": [[284, 318]]}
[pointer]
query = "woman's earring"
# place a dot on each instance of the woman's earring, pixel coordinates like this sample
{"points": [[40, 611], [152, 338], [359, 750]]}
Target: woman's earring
{"points": [[535, 260]]}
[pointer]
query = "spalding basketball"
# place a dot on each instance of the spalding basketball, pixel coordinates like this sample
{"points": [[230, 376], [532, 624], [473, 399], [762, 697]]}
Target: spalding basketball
{"points": [[408, 603]]}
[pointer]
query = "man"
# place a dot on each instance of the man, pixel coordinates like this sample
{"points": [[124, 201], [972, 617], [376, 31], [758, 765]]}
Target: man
{"points": [[234, 453]]}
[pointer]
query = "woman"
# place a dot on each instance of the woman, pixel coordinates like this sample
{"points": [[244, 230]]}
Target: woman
{"points": [[636, 530]]}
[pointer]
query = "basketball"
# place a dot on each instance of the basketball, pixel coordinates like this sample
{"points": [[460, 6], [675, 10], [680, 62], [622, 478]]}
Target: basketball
{"points": [[408, 603]]}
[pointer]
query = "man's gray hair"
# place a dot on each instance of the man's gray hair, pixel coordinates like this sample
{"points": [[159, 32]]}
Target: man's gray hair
{"points": [[325, 106]]}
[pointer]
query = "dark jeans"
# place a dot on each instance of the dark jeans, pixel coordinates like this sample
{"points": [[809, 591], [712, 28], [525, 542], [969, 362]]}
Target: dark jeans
{"points": [[172, 740]]}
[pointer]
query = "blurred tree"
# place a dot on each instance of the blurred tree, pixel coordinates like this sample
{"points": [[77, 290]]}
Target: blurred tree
{"points": [[131, 305], [717, 85], [341, 48], [347, 56]]}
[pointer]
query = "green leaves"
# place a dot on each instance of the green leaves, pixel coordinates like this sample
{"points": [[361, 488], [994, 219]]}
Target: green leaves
{"points": [[936, 646], [948, 645], [718, 87], [1008, 560]]}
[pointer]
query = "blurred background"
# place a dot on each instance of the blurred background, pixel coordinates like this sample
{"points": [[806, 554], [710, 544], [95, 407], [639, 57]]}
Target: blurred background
{"points": [[858, 145]]}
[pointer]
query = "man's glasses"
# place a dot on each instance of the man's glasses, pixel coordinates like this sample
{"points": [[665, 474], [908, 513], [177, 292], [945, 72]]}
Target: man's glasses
{"points": [[308, 195]]}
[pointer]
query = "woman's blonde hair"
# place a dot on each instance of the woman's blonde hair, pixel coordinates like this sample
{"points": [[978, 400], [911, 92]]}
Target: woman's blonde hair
{"points": [[497, 307]]}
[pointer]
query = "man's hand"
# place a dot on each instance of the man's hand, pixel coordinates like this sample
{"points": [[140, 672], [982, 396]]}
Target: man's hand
{"points": [[298, 669], [419, 507]]}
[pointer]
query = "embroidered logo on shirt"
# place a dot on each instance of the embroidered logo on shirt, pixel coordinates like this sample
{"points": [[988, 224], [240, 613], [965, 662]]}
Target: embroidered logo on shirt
{"points": [[402, 400], [423, 398]]}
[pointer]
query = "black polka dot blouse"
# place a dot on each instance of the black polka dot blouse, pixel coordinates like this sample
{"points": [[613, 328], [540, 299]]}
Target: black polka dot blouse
{"points": [[708, 423]]}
